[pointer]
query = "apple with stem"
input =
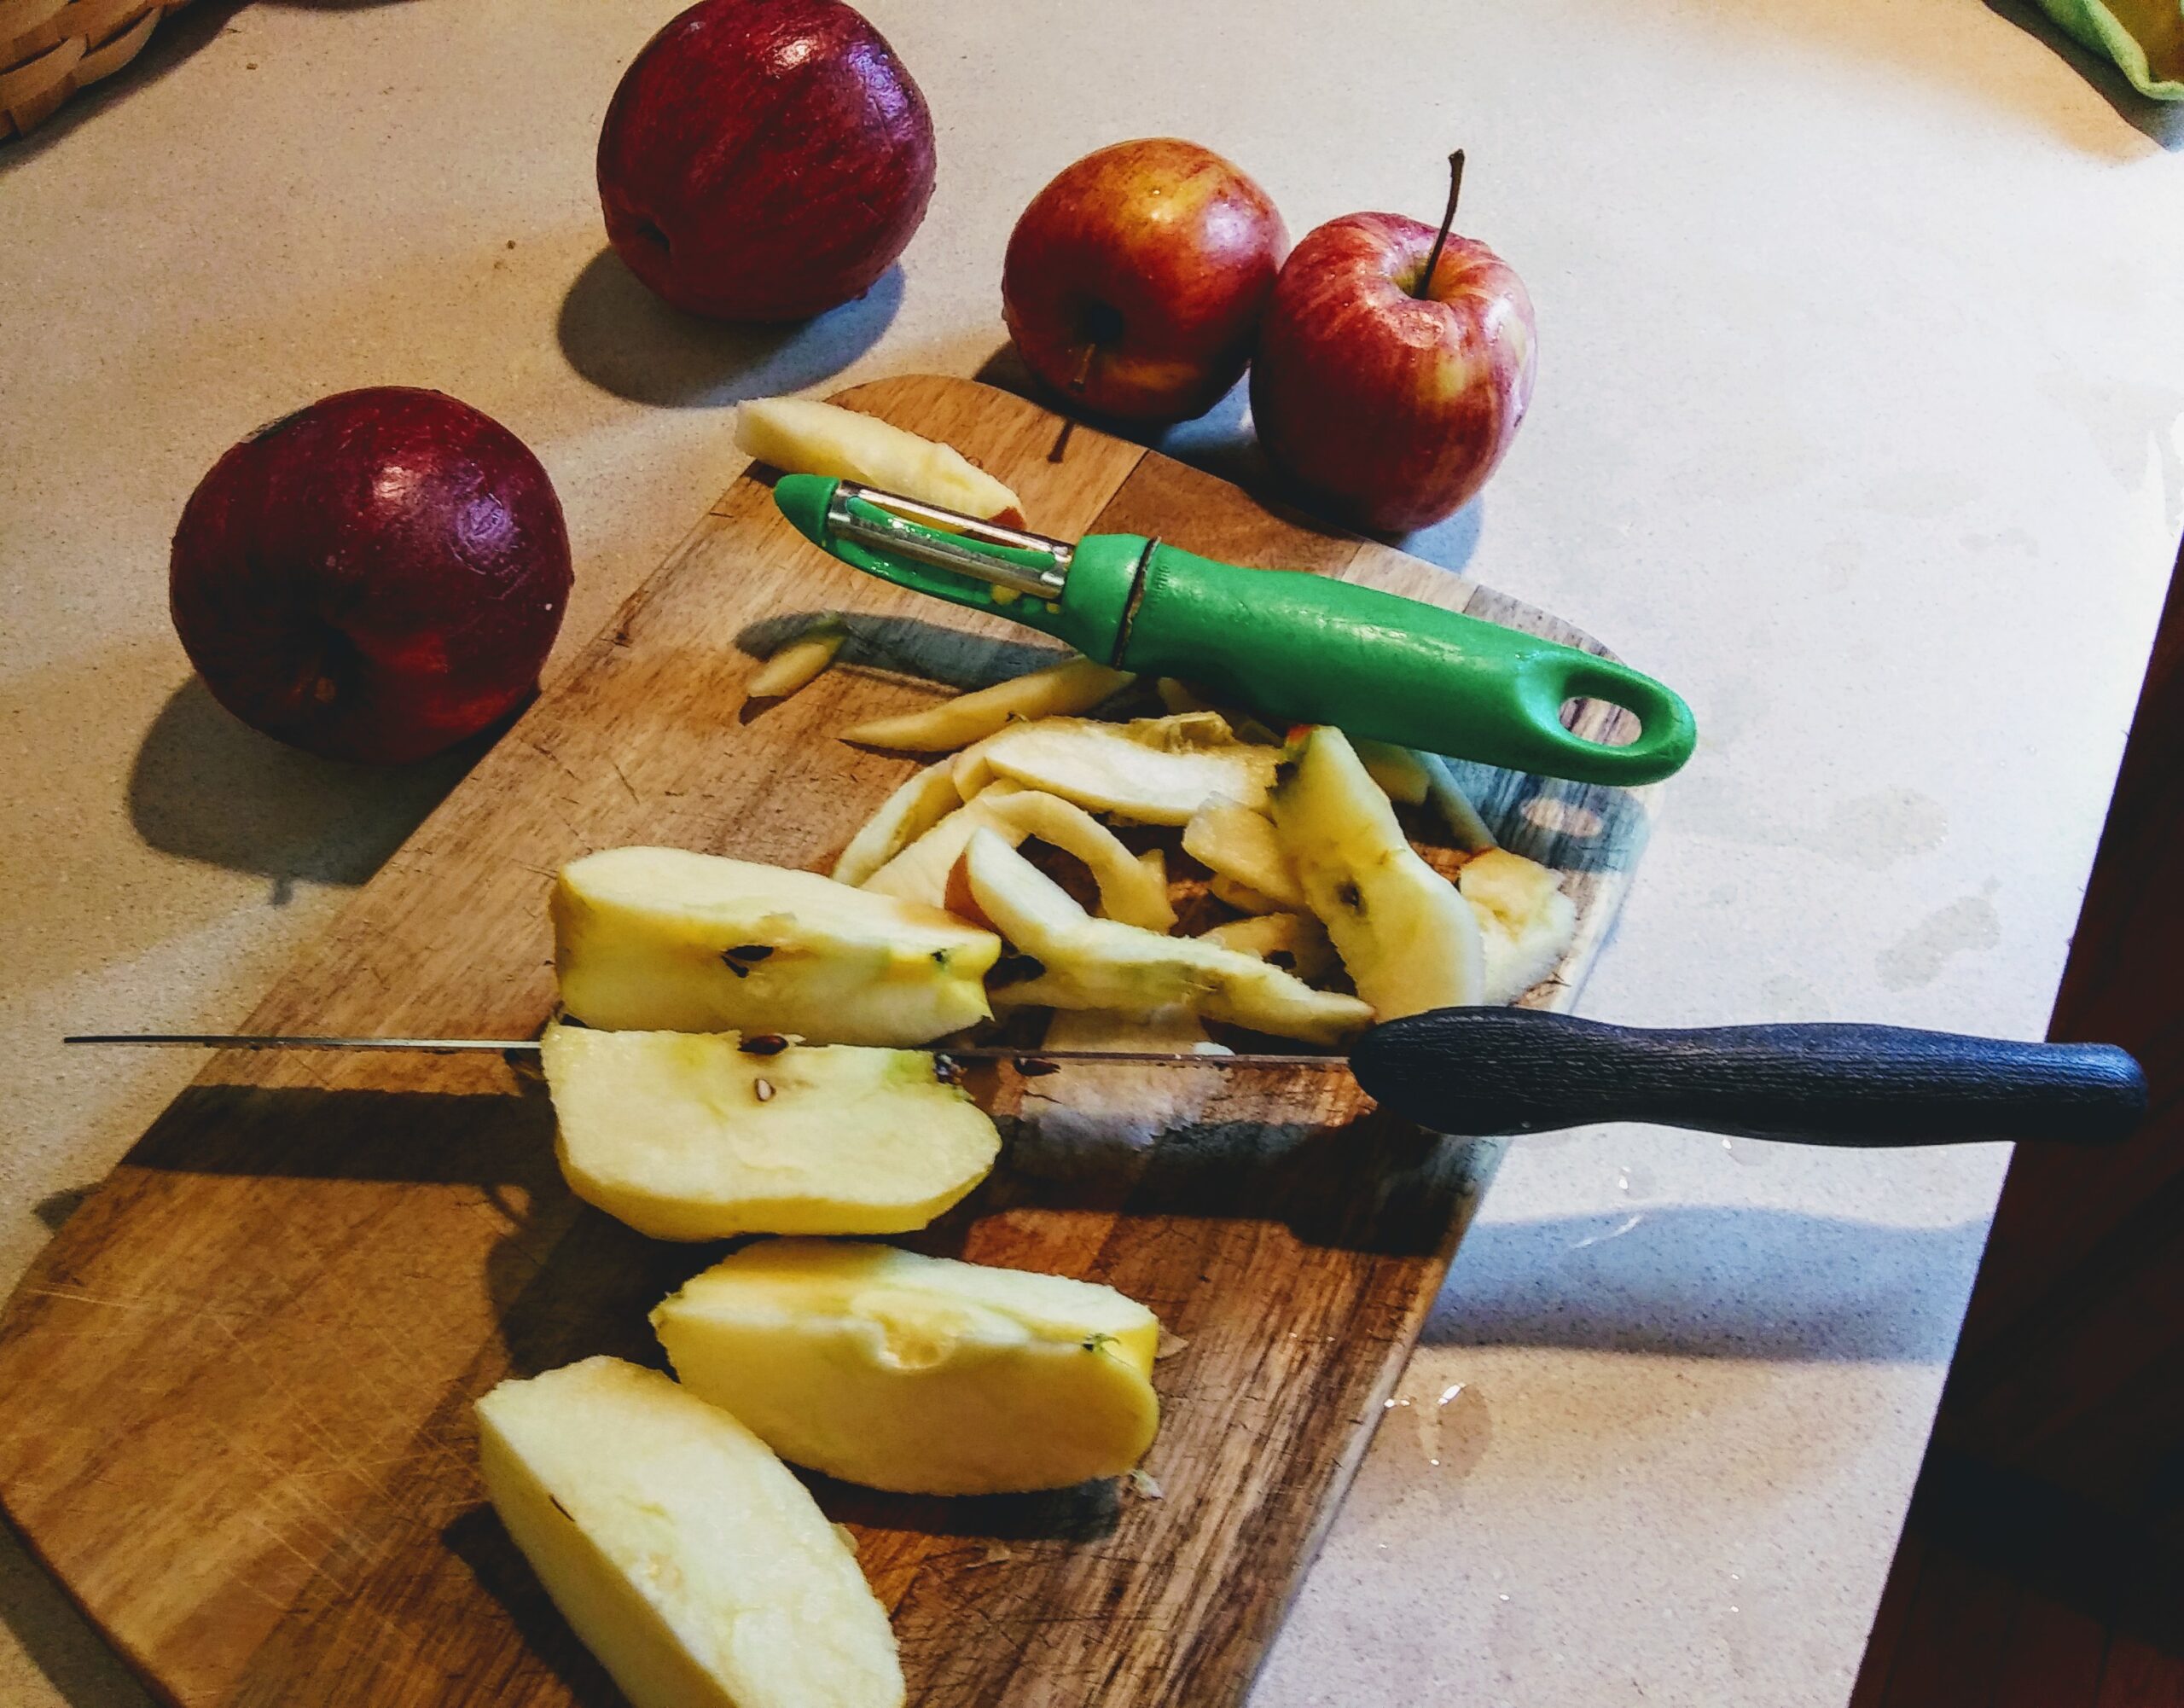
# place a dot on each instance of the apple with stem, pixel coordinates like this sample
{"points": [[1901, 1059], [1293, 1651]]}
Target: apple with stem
{"points": [[1394, 366], [1134, 282]]}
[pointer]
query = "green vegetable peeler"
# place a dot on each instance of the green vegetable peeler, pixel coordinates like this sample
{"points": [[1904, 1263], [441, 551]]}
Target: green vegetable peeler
{"points": [[1296, 649]]}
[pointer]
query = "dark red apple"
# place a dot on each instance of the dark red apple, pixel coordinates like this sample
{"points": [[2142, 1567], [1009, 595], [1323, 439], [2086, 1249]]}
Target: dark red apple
{"points": [[764, 159], [1134, 280], [1392, 391], [373, 577]]}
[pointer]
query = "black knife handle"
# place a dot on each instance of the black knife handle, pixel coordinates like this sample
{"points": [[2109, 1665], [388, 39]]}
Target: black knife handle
{"points": [[1492, 1071]]}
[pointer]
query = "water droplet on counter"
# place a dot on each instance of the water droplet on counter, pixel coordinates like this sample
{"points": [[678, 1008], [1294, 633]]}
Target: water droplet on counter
{"points": [[1455, 1432]]}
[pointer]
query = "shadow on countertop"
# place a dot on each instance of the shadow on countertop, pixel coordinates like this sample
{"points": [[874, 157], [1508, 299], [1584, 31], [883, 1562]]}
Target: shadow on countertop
{"points": [[1688, 1281], [67, 1650], [624, 339], [207, 787]]}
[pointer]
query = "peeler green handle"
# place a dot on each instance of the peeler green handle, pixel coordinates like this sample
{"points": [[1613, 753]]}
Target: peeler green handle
{"points": [[1294, 648]]}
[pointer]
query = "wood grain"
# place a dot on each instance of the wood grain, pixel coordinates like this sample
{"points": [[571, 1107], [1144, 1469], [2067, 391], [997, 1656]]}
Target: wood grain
{"points": [[234, 1391]]}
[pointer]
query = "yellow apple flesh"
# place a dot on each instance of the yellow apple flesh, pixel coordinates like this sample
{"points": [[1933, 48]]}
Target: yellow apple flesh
{"points": [[661, 939], [692, 1136], [1406, 934], [686, 1555], [919, 1375]]}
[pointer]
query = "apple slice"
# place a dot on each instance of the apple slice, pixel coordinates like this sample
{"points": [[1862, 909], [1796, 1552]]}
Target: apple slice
{"points": [[1467, 829], [696, 1136], [798, 662], [1060, 690], [1295, 942], [1401, 774], [1241, 896], [1527, 923], [1406, 934], [1129, 891], [1241, 846], [688, 1558], [919, 1375], [663, 939], [1098, 963], [923, 799], [800, 436], [1153, 770]]}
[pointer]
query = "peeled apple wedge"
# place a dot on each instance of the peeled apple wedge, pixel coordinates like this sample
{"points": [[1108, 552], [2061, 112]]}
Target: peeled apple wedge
{"points": [[1406, 934], [1155, 770], [662, 939], [798, 436], [1098, 963], [692, 1136], [1241, 846], [1128, 890], [919, 1375], [798, 662], [1076, 685], [922, 800], [688, 1558], [1526, 921]]}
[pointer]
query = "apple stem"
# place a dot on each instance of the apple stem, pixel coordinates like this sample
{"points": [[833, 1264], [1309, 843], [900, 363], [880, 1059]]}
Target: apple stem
{"points": [[1084, 367], [1448, 218]]}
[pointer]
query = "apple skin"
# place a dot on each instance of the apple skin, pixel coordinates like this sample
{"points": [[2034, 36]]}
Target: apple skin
{"points": [[764, 159], [1396, 407], [1161, 253], [373, 577]]}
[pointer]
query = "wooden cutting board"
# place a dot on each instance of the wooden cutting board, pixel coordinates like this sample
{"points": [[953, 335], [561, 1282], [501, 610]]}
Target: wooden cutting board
{"points": [[235, 1389]]}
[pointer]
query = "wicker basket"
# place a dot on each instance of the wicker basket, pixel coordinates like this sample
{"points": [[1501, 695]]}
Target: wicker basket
{"points": [[50, 48]]}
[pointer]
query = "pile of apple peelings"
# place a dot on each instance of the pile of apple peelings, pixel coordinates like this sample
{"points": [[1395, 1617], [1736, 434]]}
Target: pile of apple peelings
{"points": [[743, 1061]]}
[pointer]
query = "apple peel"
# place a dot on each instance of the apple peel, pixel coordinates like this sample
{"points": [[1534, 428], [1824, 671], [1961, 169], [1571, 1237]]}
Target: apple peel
{"points": [[802, 436], [1243, 846], [920, 801], [1094, 963], [1061, 689], [1130, 891], [799, 663], [1407, 935], [1153, 770]]}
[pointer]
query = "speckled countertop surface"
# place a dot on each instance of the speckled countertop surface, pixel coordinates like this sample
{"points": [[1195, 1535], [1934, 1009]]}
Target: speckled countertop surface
{"points": [[1860, 419]]}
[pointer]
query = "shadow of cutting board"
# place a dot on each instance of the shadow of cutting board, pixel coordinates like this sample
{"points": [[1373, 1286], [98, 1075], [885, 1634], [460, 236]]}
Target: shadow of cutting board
{"points": [[235, 1389]]}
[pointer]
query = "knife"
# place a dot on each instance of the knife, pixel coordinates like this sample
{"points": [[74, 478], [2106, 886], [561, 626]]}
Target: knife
{"points": [[1480, 1073]]}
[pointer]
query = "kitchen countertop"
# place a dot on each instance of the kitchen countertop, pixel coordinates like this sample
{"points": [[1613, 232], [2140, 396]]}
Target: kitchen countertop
{"points": [[1860, 419]]}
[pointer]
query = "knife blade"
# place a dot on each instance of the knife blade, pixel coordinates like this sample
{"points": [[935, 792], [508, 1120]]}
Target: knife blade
{"points": [[514, 1046]]}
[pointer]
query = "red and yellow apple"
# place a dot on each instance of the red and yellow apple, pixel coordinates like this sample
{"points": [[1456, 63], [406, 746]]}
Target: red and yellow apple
{"points": [[764, 159], [1135, 282], [1391, 393], [373, 577]]}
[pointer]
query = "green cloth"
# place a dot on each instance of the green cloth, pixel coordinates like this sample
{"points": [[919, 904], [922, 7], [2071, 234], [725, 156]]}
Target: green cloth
{"points": [[2093, 23]]}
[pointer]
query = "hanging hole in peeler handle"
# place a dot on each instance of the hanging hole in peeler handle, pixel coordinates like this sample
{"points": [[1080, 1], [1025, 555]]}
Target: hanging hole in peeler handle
{"points": [[1663, 740]]}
